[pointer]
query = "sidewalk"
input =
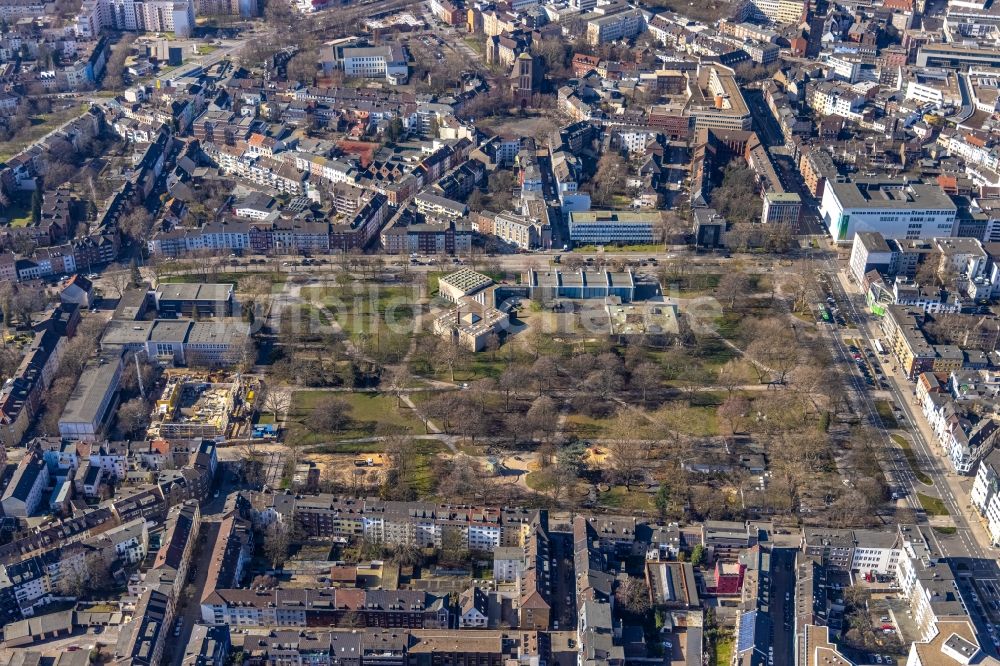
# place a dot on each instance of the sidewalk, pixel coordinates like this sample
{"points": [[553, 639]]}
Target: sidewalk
{"points": [[903, 390]]}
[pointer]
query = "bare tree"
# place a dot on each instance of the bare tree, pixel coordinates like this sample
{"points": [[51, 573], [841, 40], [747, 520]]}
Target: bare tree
{"points": [[277, 540], [331, 414], [646, 376], [626, 450], [450, 354], [633, 595], [133, 416], [120, 281], [26, 302], [734, 411], [733, 285], [276, 402], [542, 416]]}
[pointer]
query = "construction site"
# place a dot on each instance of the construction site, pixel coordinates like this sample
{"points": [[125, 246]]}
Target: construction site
{"points": [[201, 404]]}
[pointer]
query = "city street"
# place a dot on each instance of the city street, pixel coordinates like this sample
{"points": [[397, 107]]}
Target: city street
{"points": [[969, 550]]}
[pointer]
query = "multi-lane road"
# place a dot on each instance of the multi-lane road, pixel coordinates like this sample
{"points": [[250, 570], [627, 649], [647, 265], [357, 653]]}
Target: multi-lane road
{"points": [[969, 550]]}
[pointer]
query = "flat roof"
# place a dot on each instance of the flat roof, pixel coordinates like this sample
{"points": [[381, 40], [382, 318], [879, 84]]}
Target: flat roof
{"points": [[124, 332], [613, 217], [466, 280], [90, 390], [194, 292], [223, 332], [895, 194]]}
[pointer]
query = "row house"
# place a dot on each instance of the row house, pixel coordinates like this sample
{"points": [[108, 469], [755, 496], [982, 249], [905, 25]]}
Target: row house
{"points": [[334, 171], [359, 230], [963, 425], [985, 494], [301, 608], [21, 395], [450, 237], [265, 171], [215, 237]]}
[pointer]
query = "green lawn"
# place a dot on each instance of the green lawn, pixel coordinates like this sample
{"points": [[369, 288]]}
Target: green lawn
{"points": [[372, 310], [474, 44], [722, 651], [235, 278], [946, 531], [911, 458], [40, 126], [591, 249], [368, 411], [585, 426], [884, 410], [932, 505], [538, 480], [18, 213], [630, 500]]}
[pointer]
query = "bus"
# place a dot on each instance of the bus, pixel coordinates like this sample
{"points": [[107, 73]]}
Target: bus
{"points": [[824, 314], [879, 348]]}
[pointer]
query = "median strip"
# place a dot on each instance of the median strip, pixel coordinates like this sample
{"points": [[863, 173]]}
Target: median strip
{"points": [[911, 458]]}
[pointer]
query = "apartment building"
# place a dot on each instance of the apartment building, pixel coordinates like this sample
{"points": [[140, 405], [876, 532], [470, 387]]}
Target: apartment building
{"points": [[858, 551], [14, 10], [434, 205], [522, 232], [243, 8], [407, 609], [621, 25], [21, 395], [985, 494], [905, 339], [176, 16], [177, 544], [776, 11], [927, 582], [26, 489], [960, 417], [449, 237]]}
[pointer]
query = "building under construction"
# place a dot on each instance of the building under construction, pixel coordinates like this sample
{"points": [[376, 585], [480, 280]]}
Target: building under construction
{"points": [[195, 404]]}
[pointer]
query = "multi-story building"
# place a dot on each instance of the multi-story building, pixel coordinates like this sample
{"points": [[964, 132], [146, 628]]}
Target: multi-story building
{"points": [[176, 16], [91, 403], [985, 494], [782, 208], [953, 413], [194, 300], [449, 237], [434, 205], [376, 62], [716, 101], [621, 25], [894, 208], [776, 11], [243, 8], [601, 227], [177, 544], [301, 608], [26, 488], [927, 582], [520, 231], [905, 339]]}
